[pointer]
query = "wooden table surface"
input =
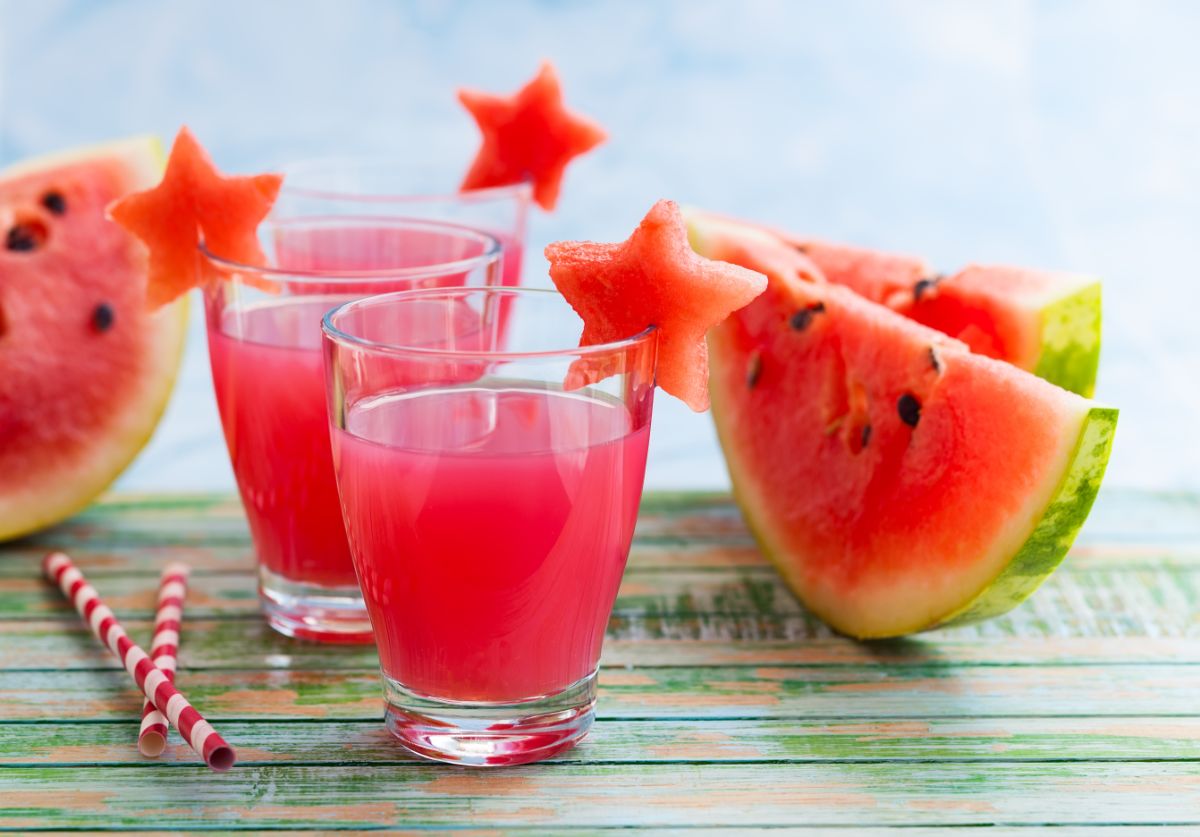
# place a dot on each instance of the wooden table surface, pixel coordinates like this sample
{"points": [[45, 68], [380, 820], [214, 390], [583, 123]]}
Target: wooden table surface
{"points": [[722, 705]]}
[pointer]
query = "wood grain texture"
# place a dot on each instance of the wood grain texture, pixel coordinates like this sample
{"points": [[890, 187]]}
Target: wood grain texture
{"points": [[754, 740], [724, 707], [1165, 830], [602, 795], [867, 691], [1154, 599]]}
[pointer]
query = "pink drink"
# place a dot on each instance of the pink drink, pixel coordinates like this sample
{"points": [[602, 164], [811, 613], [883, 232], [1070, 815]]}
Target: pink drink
{"points": [[265, 348], [271, 395], [490, 528]]}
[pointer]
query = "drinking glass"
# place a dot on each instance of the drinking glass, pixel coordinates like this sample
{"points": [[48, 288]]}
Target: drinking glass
{"points": [[264, 337], [490, 487], [384, 186]]}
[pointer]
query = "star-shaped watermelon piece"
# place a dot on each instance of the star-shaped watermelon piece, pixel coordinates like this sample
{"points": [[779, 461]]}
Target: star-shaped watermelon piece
{"points": [[654, 278], [195, 202], [529, 135]]}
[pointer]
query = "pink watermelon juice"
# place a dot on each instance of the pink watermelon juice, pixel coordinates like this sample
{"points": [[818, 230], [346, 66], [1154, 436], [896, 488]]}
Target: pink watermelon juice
{"points": [[490, 529], [271, 395], [489, 496], [266, 356]]}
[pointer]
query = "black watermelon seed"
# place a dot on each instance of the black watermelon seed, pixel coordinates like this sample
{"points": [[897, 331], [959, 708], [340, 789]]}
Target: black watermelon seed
{"points": [[802, 318], [753, 370], [801, 248], [934, 360], [866, 435], [909, 408], [55, 202], [923, 286], [103, 317], [21, 238]]}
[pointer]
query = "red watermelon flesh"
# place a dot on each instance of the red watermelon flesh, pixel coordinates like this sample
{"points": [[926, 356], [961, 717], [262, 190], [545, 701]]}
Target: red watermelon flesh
{"points": [[653, 278], [192, 203], [85, 369], [1041, 321], [898, 480], [527, 136]]}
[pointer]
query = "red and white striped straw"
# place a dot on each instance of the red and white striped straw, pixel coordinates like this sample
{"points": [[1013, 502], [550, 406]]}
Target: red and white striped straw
{"points": [[196, 731], [172, 586]]}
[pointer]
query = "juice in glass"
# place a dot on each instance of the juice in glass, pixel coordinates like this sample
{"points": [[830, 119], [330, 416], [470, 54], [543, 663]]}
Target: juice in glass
{"points": [[489, 510], [265, 352], [521, 502]]}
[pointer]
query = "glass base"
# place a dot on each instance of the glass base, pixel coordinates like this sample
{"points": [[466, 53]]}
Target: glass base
{"points": [[310, 611], [480, 734]]}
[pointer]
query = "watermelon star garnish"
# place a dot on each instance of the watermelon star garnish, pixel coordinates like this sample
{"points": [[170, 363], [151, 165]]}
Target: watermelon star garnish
{"points": [[527, 136], [654, 278], [195, 202]]}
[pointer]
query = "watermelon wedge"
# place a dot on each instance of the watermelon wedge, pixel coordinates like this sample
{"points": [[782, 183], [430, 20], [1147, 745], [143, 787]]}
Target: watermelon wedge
{"points": [[1043, 322], [85, 369], [899, 481], [529, 135]]}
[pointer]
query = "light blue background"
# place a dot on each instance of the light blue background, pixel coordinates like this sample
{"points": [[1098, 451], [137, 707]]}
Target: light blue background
{"points": [[1056, 134]]}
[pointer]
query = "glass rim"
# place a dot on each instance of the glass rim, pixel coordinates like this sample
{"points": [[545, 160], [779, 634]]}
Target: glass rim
{"points": [[520, 190], [493, 251], [333, 333]]}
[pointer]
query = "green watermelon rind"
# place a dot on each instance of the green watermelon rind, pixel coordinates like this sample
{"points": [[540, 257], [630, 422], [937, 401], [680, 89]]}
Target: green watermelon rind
{"points": [[1070, 341], [1056, 528], [144, 157]]}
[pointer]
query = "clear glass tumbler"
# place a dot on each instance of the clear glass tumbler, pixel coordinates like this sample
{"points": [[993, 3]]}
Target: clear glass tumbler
{"points": [[490, 491], [384, 186], [264, 337]]}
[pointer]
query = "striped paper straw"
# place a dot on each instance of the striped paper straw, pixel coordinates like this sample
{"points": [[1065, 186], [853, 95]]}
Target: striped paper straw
{"points": [[172, 586], [196, 731]]}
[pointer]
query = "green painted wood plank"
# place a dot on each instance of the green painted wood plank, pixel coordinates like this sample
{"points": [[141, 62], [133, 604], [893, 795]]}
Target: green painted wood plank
{"points": [[1107, 830], [604, 795], [875, 691], [663, 740], [218, 519], [1159, 600], [22, 561], [649, 592], [63, 643], [1118, 516]]}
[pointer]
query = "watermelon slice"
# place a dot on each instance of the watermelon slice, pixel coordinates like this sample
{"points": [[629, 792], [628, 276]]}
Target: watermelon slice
{"points": [[1043, 322], [652, 279], [529, 135], [85, 369], [899, 481], [195, 201]]}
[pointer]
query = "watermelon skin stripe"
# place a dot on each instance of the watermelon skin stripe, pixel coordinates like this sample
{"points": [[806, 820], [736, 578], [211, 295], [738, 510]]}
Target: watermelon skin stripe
{"points": [[1056, 529]]}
